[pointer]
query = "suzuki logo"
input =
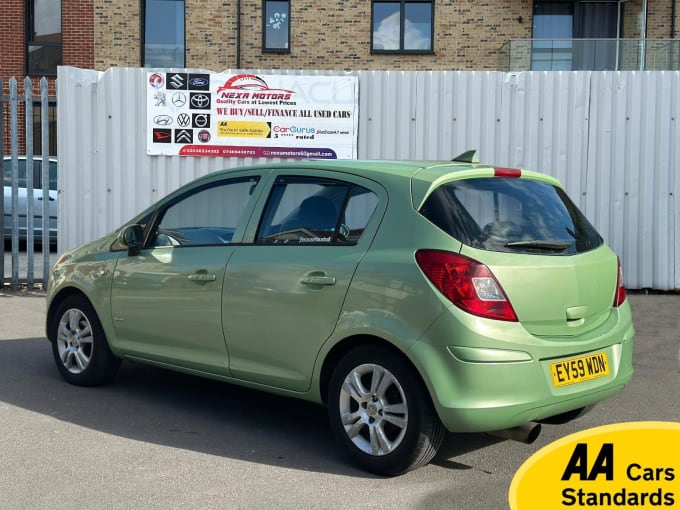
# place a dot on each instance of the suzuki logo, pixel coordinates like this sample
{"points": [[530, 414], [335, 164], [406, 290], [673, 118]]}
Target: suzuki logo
{"points": [[176, 81]]}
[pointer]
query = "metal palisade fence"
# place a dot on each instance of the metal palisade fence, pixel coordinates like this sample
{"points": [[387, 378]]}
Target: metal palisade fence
{"points": [[26, 198]]}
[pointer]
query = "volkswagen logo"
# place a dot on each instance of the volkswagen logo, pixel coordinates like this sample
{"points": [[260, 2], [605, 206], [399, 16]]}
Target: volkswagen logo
{"points": [[200, 101], [179, 99], [162, 120], [183, 119]]}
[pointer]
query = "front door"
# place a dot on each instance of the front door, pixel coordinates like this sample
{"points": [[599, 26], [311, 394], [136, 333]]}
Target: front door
{"points": [[166, 301]]}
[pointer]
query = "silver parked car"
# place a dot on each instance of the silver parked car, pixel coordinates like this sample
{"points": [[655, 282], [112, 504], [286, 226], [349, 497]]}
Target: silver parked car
{"points": [[20, 216]]}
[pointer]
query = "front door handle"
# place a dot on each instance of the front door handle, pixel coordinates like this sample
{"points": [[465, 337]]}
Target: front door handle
{"points": [[318, 280]]}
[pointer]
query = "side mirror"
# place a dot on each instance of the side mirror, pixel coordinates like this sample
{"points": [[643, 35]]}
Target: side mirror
{"points": [[132, 237]]}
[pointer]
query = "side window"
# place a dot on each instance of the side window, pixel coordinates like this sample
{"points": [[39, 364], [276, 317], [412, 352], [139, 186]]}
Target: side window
{"points": [[7, 172], [315, 211], [53, 175], [209, 216]]}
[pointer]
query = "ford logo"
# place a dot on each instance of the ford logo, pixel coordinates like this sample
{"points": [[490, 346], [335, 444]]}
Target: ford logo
{"points": [[198, 82]]}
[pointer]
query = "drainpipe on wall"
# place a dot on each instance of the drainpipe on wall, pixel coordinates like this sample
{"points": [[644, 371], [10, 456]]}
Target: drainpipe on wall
{"points": [[643, 46], [238, 34]]}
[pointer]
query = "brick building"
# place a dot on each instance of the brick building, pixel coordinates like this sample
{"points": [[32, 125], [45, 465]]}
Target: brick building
{"points": [[38, 35]]}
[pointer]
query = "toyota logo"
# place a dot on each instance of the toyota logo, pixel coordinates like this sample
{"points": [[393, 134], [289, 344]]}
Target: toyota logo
{"points": [[200, 101], [162, 120], [179, 99]]}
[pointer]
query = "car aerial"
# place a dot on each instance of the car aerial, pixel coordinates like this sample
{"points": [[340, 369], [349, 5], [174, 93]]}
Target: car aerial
{"points": [[410, 298], [19, 219]]}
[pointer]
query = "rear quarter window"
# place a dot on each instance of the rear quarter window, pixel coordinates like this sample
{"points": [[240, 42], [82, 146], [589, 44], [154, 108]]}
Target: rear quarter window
{"points": [[511, 215]]}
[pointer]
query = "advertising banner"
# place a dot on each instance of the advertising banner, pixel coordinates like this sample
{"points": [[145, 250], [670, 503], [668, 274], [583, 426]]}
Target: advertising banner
{"points": [[244, 115]]}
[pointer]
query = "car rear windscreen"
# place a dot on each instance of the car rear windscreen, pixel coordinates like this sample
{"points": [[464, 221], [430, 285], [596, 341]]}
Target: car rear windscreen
{"points": [[511, 215]]}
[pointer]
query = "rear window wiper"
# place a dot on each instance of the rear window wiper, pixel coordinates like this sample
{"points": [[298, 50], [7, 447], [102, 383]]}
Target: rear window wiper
{"points": [[540, 245]]}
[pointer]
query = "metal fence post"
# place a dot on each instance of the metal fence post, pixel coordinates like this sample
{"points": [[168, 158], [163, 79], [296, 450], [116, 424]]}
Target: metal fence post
{"points": [[30, 206], [45, 144], [14, 151]]}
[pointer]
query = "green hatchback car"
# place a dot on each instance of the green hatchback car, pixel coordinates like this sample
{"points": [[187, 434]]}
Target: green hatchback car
{"points": [[410, 298]]}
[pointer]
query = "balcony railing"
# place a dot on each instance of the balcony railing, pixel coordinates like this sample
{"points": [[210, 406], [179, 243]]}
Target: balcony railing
{"points": [[590, 54]]}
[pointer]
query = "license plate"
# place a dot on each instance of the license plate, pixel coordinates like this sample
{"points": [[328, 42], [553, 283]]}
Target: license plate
{"points": [[576, 370]]}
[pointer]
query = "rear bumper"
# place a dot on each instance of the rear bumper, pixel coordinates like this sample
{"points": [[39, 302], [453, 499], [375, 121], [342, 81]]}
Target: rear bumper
{"points": [[504, 379]]}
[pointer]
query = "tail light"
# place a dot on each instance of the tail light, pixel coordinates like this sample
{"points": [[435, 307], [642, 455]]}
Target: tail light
{"points": [[468, 284], [620, 296]]}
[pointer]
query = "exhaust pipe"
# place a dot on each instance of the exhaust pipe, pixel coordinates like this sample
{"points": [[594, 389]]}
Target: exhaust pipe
{"points": [[527, 433]]}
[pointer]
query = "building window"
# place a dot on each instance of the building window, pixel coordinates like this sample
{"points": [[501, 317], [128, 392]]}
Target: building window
{"points": [[276, 26], [163, 33], [405, 26], [576, 35], [43, 38]]}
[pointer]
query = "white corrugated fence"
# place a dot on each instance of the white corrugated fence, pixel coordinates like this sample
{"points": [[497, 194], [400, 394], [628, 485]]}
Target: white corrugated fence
{"points": [[610, 137]]}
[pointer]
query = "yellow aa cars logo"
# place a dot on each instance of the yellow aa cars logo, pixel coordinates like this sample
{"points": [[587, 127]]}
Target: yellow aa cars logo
{"points": [[627, 465]]}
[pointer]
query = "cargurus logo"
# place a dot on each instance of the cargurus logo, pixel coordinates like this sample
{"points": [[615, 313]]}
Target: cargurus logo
{"points": [[303, 130]]}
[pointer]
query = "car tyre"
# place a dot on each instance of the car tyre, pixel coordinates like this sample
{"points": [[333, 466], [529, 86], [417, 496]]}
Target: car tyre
{"points": [[381, 413], [79, 345]]}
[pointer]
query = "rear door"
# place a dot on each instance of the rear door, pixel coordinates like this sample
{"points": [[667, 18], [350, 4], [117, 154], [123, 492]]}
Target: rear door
{"points": [[283, 293]]}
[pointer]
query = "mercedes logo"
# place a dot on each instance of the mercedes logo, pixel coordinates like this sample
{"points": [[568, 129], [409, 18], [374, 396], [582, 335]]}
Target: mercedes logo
{"points": [[179, 99]]}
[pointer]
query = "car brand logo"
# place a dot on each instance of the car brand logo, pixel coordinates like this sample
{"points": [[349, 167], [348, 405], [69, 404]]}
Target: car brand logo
{"points": [[199, 81], [201, 120], [200, 101], [184, 135], [162, 120], [179, 99], [177, 81], [156, 80], [159, 98], [162, 135], [183, 120], [204, 136]]}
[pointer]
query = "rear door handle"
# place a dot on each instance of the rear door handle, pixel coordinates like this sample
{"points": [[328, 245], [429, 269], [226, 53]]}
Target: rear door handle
{"points": [[202, 277], [318, 280], [51, 199]]}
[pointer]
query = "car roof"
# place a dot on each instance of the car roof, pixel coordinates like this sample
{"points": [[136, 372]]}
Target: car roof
{"points": [[423, 177]]}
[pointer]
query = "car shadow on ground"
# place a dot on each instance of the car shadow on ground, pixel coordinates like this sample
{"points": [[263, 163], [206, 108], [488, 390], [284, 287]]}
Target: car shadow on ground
{"points": [[162, 407]]}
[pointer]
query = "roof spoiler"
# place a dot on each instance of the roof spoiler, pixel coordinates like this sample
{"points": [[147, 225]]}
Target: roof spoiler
{"points": [[467, 157]]}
